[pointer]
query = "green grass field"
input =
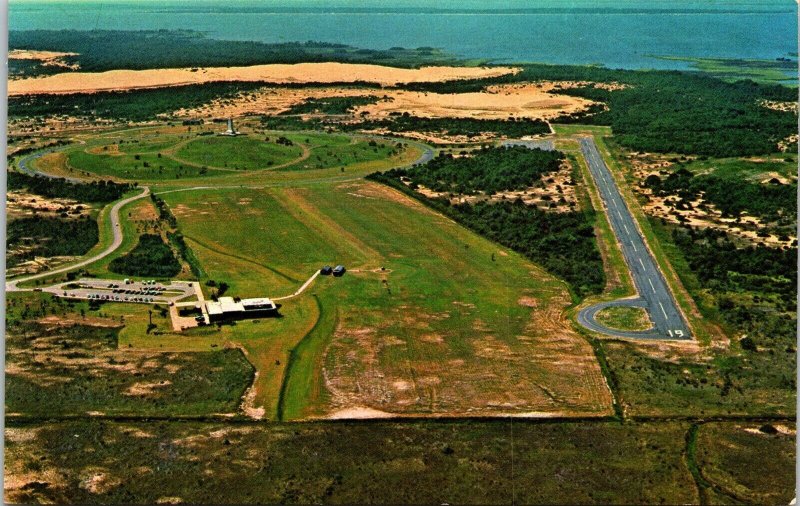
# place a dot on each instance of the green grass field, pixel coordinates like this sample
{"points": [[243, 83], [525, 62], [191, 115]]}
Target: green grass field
{"points": [[239, 153], [179, 155], [433, 321], [625, 318], [737, 69]]}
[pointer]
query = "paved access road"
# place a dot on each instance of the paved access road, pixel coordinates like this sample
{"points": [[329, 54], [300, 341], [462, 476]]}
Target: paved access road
{"points": [[654, 293], [12, 286], [543, 144]]}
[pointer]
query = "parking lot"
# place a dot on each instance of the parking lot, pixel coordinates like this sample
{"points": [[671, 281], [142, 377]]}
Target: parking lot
{"points": [[115, 290]]}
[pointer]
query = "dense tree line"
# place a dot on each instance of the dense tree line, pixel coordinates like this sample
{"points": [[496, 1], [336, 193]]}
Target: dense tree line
{"points": [[755, 286], [132, 105], [49, 237], [731, 195], [95, 191], [164, 213], [489, 170], [470, 127], [177, 240], [330, 105], [664, 111], [151, 257], [563, 243], [101, 50]]}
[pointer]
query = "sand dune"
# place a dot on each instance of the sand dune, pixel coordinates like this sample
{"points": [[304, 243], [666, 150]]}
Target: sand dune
{"points": [[501, 102], [87, 82]]}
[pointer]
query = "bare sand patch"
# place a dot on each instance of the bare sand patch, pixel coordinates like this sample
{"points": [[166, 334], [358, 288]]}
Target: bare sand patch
{"points": [[88, 82], [530, 100], [23, 204], [143, 388], [47, 58], [98, 481], [32, 54], [358, 414]]}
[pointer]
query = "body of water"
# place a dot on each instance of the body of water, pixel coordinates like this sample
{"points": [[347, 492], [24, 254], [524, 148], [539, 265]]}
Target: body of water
{"points": [[617, 34]]}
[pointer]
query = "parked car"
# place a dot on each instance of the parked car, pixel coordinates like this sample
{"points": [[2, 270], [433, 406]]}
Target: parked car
{"points": [[325, 271], [339, 270]]}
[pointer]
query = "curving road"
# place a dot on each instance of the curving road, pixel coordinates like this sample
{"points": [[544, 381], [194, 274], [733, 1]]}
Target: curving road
{"points": [[12, 285], [654, 293], [23, 165]]}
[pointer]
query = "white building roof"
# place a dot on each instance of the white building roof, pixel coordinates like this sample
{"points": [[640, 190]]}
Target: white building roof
{"points": [[229, 305], [263, 301], [214, 308]]}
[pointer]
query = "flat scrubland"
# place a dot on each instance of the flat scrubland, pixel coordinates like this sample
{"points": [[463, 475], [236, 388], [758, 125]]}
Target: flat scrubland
{"points": [[83, 82], [409, 463], [725, 456]]}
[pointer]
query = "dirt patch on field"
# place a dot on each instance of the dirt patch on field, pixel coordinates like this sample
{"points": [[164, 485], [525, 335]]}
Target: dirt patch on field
{"points": [[88, 82], [106, 149], [414, 363], [358, 413]]}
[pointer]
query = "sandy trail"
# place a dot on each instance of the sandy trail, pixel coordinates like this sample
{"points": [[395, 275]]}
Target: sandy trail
{"points": [[87, 82]]}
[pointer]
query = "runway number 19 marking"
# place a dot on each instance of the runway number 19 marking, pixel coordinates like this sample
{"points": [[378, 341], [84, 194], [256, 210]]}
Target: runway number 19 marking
{"points": [[675, 333]]}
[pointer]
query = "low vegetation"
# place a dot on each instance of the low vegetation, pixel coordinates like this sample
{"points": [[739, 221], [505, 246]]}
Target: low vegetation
{"points": [[455, 315], [151, 257], [726, 453], [488, 462], [238, 153], [75, 369]]}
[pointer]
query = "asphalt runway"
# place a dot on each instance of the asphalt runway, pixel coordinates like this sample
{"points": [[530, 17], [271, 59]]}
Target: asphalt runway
{"points": [[654, 294]]}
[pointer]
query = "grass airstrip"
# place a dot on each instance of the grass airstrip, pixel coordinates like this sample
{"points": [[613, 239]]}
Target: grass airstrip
{"points": [[430, 319]]}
